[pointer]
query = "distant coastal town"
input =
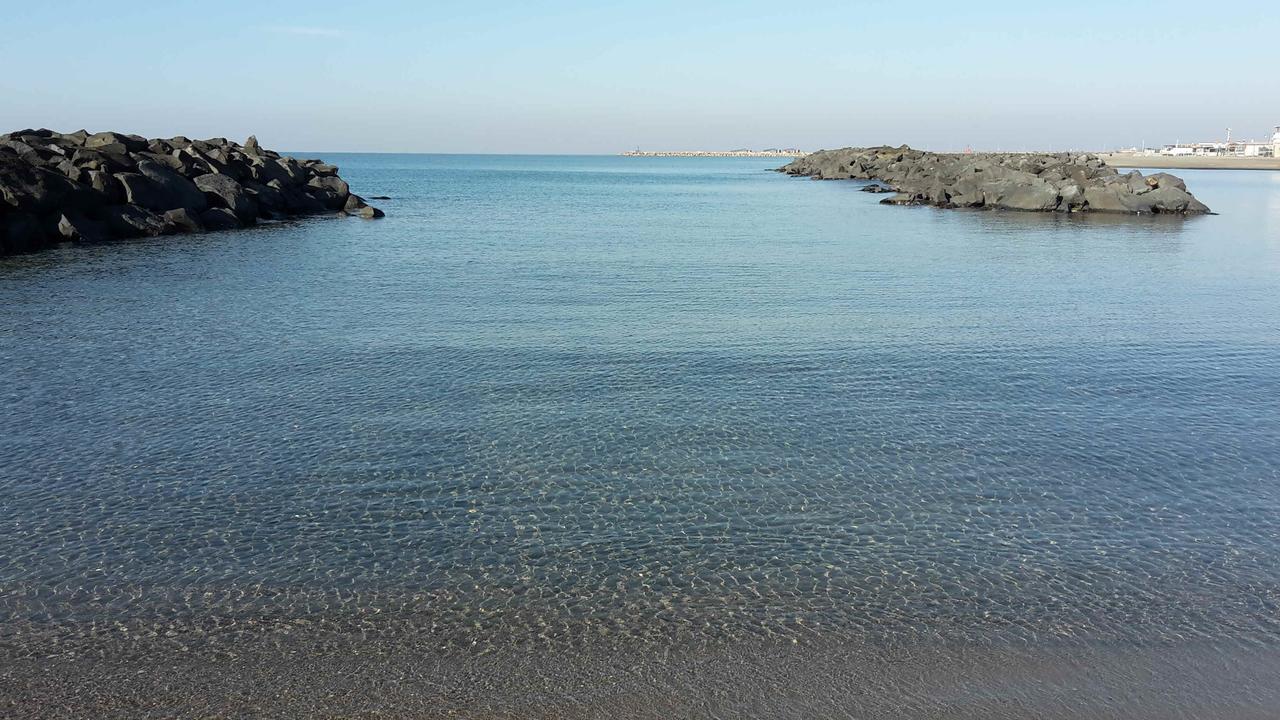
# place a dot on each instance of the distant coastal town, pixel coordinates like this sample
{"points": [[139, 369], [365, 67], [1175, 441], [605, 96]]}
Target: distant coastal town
{"points": [[1266, 148], [769, 152], [1228, 154]]}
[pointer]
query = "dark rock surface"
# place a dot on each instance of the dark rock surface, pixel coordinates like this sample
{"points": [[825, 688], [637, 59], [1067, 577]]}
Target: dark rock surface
{"points": [[93, 187], [1035, 182]]}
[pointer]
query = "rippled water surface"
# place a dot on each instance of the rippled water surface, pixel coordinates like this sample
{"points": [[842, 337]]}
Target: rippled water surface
{"points": [[556, 398]]}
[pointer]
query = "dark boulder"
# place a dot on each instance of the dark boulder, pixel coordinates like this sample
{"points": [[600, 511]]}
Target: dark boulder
{"points": [[267, 171], [202, 163], [1112, 198], [1172, 199], [75, 139], [219, 219], [223, 191], [21, 233], [298, 202], [178, 191], [335, 184], [181, 220], [68, 168], [1028, 195], [130, 221], [269, 198], [326, 197], [106, 185], [357, 206], [74, 226], [140, 191], [24, 151], [97, 159], [130, 143], [41, 190], [323, 169], [176, 163], [1161, 180]]}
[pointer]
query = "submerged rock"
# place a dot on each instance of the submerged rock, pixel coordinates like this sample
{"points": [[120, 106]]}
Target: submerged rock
{"points": [[92, 187], [1044, 182]]}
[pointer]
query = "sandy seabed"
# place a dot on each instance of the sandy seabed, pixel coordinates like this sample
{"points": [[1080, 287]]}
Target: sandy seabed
{"points": [[316, 677]]}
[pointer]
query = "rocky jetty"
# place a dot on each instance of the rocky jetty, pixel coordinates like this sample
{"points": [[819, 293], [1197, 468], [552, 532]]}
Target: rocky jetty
{"points": [[82, 187], [1039, 182]]}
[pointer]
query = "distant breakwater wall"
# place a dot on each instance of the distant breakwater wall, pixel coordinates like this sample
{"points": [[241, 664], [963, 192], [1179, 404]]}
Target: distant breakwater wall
{"points": [[1036, 182], [714, 153], [83, 188]]}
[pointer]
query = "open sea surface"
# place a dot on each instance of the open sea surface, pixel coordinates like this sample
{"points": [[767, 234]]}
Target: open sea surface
{"points": [[576, 436]]}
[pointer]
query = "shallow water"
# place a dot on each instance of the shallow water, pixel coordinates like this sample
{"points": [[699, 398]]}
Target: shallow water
{"points": [[565, 401]]}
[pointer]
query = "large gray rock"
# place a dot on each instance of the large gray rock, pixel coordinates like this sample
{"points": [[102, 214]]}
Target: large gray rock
{"points": [[1111, 198], [181, 220], [41, 190], [1172, 199], [131, 143], [1071, 197], [104, 158], [332, 183], [68, 168], [106, 185], [76, 227], [1029, 195], [286, 171], [219, 219], [76, 139], [356, 205], [299, 202], [1161, 179], [269, 198], [178, 191], [129, 221], [140, 191], [223, 191]]}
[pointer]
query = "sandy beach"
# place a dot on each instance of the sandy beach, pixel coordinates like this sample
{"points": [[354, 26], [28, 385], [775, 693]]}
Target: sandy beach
{"points": [[1131, 160]]}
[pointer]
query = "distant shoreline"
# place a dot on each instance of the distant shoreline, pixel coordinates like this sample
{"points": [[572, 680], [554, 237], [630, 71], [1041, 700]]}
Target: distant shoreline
{"points": [[1133, 160], [715, 153]]}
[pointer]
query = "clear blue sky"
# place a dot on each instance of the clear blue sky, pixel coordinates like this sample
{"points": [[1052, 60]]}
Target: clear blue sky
{"points": [[600, 77]]}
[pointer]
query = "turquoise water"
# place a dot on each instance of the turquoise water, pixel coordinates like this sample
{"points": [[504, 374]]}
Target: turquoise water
{"points": [[557, 399]]}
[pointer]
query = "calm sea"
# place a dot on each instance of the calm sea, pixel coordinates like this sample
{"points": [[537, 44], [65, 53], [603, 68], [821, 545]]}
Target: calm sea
{"points": [[559, 402]]}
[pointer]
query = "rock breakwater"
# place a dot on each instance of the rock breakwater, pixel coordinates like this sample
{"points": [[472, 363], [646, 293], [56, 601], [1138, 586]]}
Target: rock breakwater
{"points": [[1040, 182], [82, 187]]}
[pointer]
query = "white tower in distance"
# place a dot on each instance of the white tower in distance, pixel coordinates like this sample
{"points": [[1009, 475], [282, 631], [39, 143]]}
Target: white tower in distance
{"points": [[1275, 143]]}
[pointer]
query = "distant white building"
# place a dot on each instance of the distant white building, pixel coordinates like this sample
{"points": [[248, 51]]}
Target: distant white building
{"points": [[1230, 148]]}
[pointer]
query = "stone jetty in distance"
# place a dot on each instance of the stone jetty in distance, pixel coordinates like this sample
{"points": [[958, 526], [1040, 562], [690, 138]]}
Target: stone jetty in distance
{"points": [[84, 188], [1036, 182], [769, 152]]}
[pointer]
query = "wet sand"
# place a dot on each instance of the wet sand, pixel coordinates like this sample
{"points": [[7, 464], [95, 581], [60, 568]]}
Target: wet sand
{"points": [[1129, 160], [385, 678]]}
